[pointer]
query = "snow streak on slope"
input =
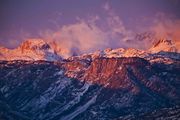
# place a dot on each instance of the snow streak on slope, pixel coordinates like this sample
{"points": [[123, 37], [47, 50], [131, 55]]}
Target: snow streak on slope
{"points": [[80, 109]]}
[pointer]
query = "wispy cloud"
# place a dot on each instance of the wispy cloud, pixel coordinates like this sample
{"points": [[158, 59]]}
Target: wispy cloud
{"points": [[87, 35], [78, 38], [167, 26], [99, 32], [107, 6]]}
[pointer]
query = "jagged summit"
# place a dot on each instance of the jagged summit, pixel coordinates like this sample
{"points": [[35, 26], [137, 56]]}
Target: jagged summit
{"points": [[38, 49], [31, 49], [165, 45], [34, 44]]}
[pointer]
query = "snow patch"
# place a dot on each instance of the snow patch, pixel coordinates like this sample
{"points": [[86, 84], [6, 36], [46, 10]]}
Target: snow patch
{"points": [[80, 109]]}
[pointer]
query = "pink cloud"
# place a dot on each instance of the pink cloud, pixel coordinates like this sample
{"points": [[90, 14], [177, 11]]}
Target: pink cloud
{"points": [[166, 26]]}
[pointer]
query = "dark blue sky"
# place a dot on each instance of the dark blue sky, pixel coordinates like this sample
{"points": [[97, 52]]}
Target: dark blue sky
{"points": [[28, 17]]}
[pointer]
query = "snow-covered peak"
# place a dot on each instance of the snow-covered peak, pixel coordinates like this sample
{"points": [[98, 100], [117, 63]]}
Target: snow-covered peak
{"points": [[113, 53], [163, 45], [38, 49], [121, 52], [131, 52], [110, 53], [34, 44], [31, 49]]}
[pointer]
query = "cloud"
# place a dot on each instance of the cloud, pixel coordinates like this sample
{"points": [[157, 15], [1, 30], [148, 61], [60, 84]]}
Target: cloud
{"points": [[116, 27], [14, 39], [78, 38], [167, 26], [97, 33], [107, 6], [90, 35]]}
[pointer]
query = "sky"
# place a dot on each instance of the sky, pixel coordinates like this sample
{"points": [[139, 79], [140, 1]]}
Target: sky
{"points": [[87, 25]]}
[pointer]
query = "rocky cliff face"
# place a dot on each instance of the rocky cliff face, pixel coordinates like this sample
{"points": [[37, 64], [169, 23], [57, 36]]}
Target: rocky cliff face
{"points": [[80, 88], [113, 72]]}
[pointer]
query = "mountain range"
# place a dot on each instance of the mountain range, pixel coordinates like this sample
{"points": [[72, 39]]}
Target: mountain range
{"points": [[39, 83], [38, 49]]}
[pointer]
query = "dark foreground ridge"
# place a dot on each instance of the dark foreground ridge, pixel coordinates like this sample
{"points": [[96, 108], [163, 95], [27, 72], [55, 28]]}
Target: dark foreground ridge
{"points": [[104, 88]]}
